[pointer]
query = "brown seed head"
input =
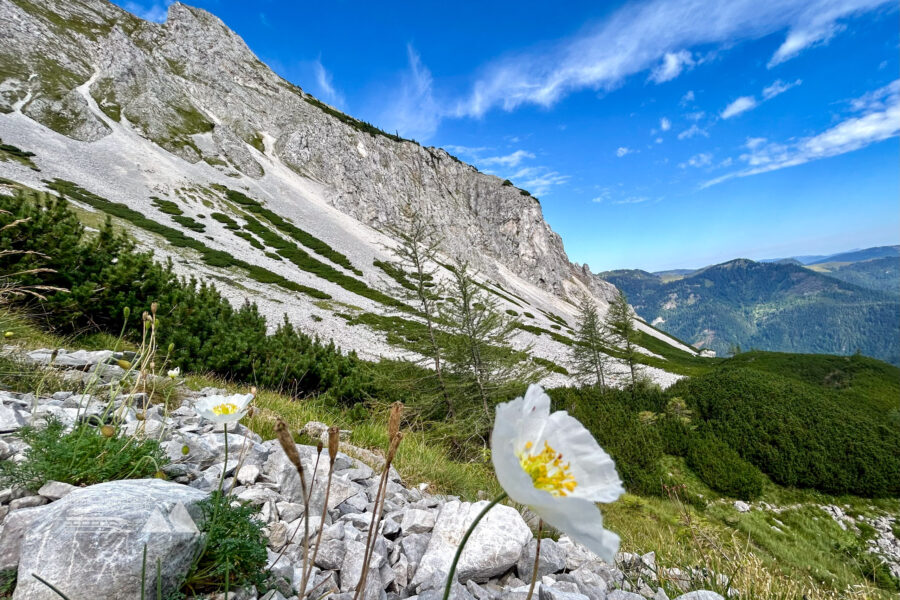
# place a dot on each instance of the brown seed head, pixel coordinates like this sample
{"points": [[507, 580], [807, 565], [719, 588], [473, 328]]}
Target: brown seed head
{"points": [[334, 438], [253, 390], [108, 431], [153, 307], [392, 450], [394, 420], [288, 445]]}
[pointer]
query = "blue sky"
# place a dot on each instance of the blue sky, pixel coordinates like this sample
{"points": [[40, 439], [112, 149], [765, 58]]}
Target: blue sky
{"points": [[657, 134]]}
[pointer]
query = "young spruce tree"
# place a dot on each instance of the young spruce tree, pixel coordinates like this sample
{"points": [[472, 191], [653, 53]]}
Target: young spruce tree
{"points": [[415, 260], [480, 348], [623, 332], [592, 342]]}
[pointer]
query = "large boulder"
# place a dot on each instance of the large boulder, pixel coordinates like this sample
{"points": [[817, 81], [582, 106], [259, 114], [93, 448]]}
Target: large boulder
{"points": [[94, 539], [494, 547]]}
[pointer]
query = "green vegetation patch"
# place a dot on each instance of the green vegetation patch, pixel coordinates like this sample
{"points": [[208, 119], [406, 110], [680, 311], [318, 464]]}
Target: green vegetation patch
{"points": [[360, 126], [288, 228], [166, 206], [8, 152], [189, 223], [225, 220], [82, 456], [213, 258]]}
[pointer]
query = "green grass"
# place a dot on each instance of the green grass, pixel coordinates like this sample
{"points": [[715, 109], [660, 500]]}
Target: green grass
{"points": [[189, 223], [213, 258], [307, 263], [81, 456], [9, 152], [289, 229], [225, 220], [166, 206]]}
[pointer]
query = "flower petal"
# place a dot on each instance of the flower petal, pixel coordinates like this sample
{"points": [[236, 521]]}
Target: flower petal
{"points": [[582, 521], [505, 437], [593, 469]]}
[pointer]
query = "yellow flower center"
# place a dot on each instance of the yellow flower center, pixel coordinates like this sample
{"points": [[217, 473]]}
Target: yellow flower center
{"points": [[226, 408], [547, 470]]}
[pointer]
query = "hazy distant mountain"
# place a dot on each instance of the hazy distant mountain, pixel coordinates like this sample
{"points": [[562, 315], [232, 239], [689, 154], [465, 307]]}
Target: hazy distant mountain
{"points": [[860, 255], [769, 306], [848, 256], [882, 274]]}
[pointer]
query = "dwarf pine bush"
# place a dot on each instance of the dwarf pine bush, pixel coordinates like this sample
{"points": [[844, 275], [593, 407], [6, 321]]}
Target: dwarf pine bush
{"points": [[103, 273]]}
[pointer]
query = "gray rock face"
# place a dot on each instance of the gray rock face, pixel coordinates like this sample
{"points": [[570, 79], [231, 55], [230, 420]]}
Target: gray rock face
{"points": [[77, 542], [193, 87], [494, 547], [552, 559], [700, 595]]}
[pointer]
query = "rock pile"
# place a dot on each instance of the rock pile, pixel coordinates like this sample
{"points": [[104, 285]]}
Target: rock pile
{"points": [[87, 539]]}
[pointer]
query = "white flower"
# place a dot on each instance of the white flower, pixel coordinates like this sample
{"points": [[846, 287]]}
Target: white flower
{"points": [[173, 373], [553, 465], [224, 409]]}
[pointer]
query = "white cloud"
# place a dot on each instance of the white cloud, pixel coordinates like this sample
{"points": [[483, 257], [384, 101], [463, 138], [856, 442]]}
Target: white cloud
{"points": [[672, 65], [632, 200], [413, 112], [648, 35], [465, 150], [695, 116], [692, 131], [880, 120], [778, 87], [665, 124], [510, 160], [742, 104], [624, 150], [687, 98], [153, 11], [704, 159], [326, 85], [658, 140], [538, 180], [816, 24]]}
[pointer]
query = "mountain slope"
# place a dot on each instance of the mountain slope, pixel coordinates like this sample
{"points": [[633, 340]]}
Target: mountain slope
{"points": [[241, 178], [769, 306], [881, 274], [860, 255]]}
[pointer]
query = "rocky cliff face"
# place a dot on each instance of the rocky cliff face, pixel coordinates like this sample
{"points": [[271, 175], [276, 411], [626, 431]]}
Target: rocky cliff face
{"points": [[194, 88]]}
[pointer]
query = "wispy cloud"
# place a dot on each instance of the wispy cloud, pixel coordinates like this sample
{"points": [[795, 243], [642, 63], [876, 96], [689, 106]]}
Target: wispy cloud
{"points": [[778, 87], [413, 112], [538, 180], [745, 103], [816, 24], [693, 131], [673, 63], [624, 151], [149, 11], [704, 159], [631, 200], [509, 160], [654, 35], [325, 83], [687, 98], [880, 120], [665, 124], [742, 104]]}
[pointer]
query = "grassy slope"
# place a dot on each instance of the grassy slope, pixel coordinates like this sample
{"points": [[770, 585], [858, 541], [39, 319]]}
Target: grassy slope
{"points": [[808, 554]]}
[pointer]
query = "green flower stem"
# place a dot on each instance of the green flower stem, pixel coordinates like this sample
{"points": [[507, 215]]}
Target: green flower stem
{"points": [[49, 585], [225, 466], [537, 559], [452, 575]]}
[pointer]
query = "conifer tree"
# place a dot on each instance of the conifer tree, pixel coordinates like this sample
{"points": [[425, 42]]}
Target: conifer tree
{"points": [[592, 343], [623, 332], [481, 335], [415, 266]]}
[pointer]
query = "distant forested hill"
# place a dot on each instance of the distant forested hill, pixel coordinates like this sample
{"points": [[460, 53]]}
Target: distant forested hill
{"points": [[881, 274], [769, 306]]}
